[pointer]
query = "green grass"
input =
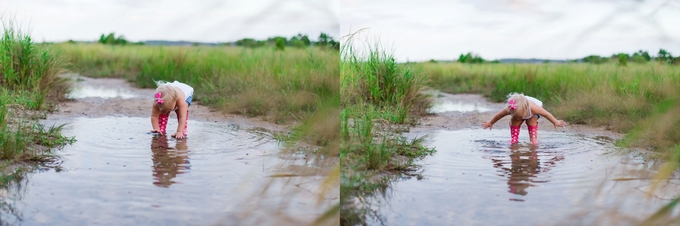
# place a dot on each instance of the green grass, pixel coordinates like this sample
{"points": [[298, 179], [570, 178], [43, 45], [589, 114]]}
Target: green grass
{"points": [[281, 86], [380, 99], [29, 86]]}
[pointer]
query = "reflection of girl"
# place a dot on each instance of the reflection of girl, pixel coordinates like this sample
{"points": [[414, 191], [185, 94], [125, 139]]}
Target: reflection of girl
{"points": [[524, 167], [168, 162]]}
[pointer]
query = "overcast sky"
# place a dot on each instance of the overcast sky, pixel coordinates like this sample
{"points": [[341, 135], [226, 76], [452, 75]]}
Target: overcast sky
{"points": [[188, 20], [562, 29]]}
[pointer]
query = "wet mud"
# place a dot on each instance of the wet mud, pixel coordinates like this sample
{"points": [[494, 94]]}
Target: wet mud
{"points": [[476, 177], [119, 173]]}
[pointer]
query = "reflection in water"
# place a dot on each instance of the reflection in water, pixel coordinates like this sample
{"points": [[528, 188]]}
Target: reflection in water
{"points": [[525, 165], [101, 92], [12, 189], [445, 106], [168, 161]]}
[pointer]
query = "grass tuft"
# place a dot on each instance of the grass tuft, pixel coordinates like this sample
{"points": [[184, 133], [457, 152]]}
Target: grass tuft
{"points": [[377, 95]]}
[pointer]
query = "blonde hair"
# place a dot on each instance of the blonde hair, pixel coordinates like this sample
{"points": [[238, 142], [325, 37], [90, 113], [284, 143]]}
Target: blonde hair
{"points": [[168, 96], [520, 103]]}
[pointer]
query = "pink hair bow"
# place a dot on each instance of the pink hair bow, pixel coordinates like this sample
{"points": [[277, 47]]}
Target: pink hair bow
{"points": [[512, 104], [158, 98]]}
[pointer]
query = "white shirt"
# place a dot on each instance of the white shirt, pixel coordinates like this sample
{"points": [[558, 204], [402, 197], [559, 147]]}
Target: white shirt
{"points": [[186, 89], [536, 101]]}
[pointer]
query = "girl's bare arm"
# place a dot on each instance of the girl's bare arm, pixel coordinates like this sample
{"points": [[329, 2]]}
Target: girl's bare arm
{"points": [[182, 107], [502, 113], [154, 118], [539, 110]]}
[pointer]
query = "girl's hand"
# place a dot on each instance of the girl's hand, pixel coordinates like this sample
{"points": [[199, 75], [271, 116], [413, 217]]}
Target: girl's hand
{"points": [[560, 123], [158, 131], [487, 125], [178, 135]]}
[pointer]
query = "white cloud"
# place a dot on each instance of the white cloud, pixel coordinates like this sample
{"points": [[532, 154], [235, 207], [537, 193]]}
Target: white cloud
{"points": [[197, 20], [561, 29]]}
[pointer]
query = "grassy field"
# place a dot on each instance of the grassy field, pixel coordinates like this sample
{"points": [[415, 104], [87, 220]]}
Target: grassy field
{"points": [[380, 99], [279, 85], [29, 87]]}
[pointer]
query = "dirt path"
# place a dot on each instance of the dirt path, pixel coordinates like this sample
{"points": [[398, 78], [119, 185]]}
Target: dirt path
{"points": [[115, 97], [464, 116]]}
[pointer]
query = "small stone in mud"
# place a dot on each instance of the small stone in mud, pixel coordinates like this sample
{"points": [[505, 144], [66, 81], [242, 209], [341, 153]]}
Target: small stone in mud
{"points": [[123, 165], [246, 153]]}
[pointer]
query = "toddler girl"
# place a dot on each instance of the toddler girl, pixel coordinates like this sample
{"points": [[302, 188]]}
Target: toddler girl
{"points": [[169, 97], [523, 109]]}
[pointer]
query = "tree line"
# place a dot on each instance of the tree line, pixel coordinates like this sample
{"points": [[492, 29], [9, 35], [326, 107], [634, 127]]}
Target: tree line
{"points": [[297, 41], [278, 42], [637, 57], [619, 58]]}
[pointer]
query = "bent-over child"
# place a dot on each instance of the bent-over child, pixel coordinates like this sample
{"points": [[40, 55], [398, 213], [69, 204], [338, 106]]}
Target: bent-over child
{"points": [[175, 96], [523, 109]]}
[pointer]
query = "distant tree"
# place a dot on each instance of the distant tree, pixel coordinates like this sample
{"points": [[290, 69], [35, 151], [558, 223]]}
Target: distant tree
{"points": [[432, 61], [302, 38], [248, 42], [305, 39], [594, 59], [619, 55], [664, 56], [644, 55], [323, 39], [470, 58], [327, 41], [279, 43], [111, 39], [297, 43], [546, 61], [623, 59], [638, 59]]}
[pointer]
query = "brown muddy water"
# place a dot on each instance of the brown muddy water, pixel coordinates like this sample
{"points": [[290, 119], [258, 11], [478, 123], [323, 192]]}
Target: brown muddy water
{"points": [[118, 173], [575, 176]]}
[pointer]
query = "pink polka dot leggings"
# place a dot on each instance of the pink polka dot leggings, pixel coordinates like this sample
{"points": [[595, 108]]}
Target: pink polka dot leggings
{"points": [[163, 122], [533, 134]]}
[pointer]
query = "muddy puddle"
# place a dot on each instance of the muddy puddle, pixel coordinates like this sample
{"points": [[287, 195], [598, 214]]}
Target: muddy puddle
{"points": [[119, 173], [575, 176]]}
